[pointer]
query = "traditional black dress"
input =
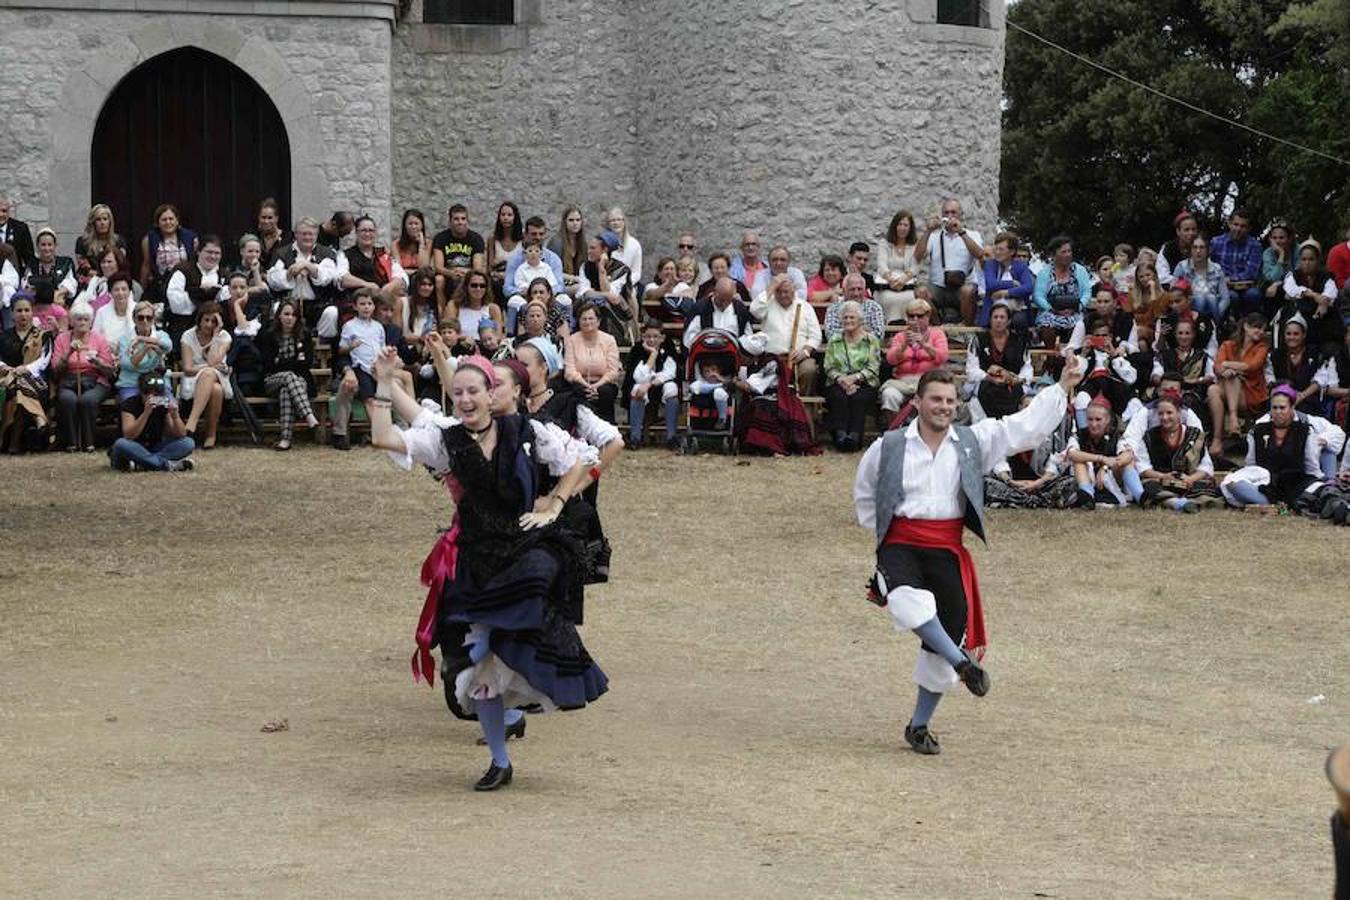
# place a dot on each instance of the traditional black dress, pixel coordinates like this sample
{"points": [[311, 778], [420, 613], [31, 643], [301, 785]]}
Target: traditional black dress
{"points": [[520, 584]]}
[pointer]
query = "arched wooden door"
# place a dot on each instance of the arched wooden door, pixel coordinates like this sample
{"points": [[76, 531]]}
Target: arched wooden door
{"points": [[192, 129]]}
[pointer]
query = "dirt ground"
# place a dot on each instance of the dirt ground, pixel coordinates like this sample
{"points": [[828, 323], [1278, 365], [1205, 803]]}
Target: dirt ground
{"points": [[1150, 732]]}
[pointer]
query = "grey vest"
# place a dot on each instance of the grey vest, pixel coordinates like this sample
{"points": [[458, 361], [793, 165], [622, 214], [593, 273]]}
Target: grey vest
{"points": [[891, 478]]}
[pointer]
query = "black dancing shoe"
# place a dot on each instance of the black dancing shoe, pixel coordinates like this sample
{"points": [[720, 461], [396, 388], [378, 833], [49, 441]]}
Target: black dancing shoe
{"points": [[512, 731], [495, 777], [973, 675], [1083, 500], [1105, 497], [922, 740]]}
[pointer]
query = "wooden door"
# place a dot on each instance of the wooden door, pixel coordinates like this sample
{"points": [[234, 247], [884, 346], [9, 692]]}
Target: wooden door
{"points": [[192, 129]]}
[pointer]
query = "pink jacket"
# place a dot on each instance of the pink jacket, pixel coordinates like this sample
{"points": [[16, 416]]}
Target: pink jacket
{"points": [[79, 364], [909, 358]]}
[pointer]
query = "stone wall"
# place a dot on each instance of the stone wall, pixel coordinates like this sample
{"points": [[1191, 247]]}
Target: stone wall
{"points": [[329, 78], [811, 121]]}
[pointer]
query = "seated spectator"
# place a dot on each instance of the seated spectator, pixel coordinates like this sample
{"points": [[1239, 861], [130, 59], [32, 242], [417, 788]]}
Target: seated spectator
{"points": [[1036, 479], [1282, 458], [1300, 366], [535, 232], [1145, 362], [537, 320], [146, 349], [271, 237], [96, 292], [532, 269], [1062, 292], [790, 328], [206, 374], [1006, 279], [1104, 279], [855, 291], [310, 273], [49, 315], [9, 282], [1276, 262], [998, 365], [371, 266], [1108, 372], [113, 320], [1123, 270], [1179, 309], [440, 346], [1192, 363], [1208, 281], [287, 357], [859, 254], [17, 235], [723, 309], [472, 301], [154, 436], [852, 376], [193, 284], [164, 248], [652, 375], [719, 264], [1239, 380], [419, 313], [629, 250], [953, 253], [1103, 466], [748, 264], [1146, 300], [507, 234], [1173, 463], [712, 384], [1185, 227], [336, 232], [257, 306], [827, 285], [592, 362], [491, 346], [680, 300], [1238, 255], [663, 289], [25, 355], [56, 273], [1141, 420], [413, 246], [569, 246], [83, 366], [100, 236], [604, 279], [1105, 307], [359, 344], [780, 264], [917, 348], [1312, 290]]}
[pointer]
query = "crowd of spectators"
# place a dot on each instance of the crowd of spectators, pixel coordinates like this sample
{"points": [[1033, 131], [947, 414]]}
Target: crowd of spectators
{"points": [[1205, 357]]}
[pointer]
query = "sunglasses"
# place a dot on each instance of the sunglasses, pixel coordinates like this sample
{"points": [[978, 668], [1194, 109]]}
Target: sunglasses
{"points": [[477, 286], [685, 246], [145, 318]]}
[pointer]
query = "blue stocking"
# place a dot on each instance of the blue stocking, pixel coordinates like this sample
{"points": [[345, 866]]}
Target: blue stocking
{"points": [[490, 716], [637, 412], [720, 399], [925, 707], [1248, 494], [1328, 460], [672, 417], [934, 635], [1133, 486]]}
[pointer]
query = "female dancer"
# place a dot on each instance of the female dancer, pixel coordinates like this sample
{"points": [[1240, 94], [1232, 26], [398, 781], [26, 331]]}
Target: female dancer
{"points": [[502, 575]]}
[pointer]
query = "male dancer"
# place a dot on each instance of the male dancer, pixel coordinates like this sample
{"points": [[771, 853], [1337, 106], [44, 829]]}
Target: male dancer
{"points": [[916, 487]]}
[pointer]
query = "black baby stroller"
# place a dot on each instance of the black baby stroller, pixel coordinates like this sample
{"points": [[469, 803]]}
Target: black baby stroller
{"points": [[702, 431]]}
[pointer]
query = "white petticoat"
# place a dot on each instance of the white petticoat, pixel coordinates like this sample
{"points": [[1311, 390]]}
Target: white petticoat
{"points": [[490, 677], [1254, 475]]}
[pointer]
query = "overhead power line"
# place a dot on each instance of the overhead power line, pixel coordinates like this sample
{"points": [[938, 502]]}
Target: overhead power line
{"points": [[1177, 100]]}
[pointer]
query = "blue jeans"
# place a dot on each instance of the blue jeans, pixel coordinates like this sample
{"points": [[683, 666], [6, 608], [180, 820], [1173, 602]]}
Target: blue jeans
{"points": [[1215, 307], [126, 450], [1247, 301]]}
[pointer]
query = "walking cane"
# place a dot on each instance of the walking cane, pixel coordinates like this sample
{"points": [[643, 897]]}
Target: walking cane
{"points": [[792, 371]]}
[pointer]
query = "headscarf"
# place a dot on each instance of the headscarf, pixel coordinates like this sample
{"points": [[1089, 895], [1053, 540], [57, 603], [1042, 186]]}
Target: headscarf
{"points": [[552, 358], [1287, 390], [480, 362], [520, 370]]}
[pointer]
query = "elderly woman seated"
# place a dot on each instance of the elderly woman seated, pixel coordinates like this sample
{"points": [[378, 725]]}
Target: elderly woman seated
{"points": [[592, 362], [1174, 463], [852, 376], [915, 349], [83, 365], [154, 435], [1282, 458]]}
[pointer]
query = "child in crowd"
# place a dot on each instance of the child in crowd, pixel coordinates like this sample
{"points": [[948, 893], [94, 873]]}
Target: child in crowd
{"points": [[1109, 372], [428, 382], [652, 374], [359, 344], [238, 306], [712, 382], [531, 268], [1122, 267]]}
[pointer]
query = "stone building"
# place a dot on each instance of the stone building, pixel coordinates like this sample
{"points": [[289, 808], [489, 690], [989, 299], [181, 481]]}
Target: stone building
{"points": [[812, 121]]}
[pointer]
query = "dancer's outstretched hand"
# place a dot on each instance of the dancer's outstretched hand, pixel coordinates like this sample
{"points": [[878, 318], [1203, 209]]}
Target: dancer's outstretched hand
{"points": [[1073, 372]]}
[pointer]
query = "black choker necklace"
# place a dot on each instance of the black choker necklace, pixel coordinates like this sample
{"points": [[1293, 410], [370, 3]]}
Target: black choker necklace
{"points": [[541, 393], [478, 431]]}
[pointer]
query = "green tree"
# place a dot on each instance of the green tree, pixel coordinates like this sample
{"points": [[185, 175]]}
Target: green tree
{"points": [[1102, 160]]}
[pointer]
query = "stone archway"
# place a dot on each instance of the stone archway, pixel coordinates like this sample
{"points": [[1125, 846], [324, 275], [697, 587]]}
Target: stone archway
{"points": [[88, 84]]}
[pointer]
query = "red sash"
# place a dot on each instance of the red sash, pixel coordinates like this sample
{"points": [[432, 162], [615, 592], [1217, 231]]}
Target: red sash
{"points": [[945, 534], [436, 569]]}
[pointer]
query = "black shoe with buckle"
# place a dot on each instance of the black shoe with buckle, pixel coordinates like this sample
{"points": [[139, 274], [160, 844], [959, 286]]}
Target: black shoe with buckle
{"points": [[973, 676], [495, 777], [922, 740], [512, 731]]}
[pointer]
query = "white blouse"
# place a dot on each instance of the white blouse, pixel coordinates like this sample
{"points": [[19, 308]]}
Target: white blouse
{"points": [[422, 443]]}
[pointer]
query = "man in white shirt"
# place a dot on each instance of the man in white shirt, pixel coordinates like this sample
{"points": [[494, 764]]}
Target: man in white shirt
{"points": [[790, 325], [780, 263], [954, 253], [916, 488], [307, 271], [724, 310]]}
